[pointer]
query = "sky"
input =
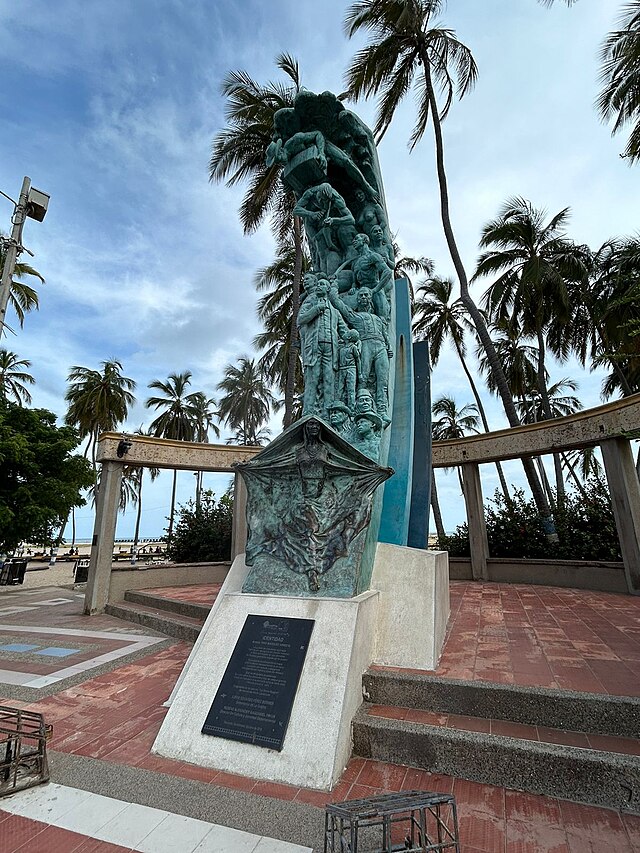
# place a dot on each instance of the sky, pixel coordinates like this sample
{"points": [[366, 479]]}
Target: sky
{"points": [[111, 108]]}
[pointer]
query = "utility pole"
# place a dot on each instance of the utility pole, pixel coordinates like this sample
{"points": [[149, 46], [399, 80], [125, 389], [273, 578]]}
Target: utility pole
{"points": [[32, 203]]}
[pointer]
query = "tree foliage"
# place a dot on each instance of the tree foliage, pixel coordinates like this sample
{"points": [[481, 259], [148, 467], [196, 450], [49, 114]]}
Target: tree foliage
{"points": [[585, 524], [40, 478], [203, 533]]}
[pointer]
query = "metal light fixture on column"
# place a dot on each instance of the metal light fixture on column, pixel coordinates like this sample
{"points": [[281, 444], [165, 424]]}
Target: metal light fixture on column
{"points": [[33, 204]]}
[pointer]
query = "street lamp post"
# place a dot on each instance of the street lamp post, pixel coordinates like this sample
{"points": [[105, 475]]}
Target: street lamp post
{"points": [[33, 204]]}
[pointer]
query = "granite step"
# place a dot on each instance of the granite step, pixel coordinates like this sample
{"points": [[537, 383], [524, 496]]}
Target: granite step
{"points": [[170, 605], [503, 753], [158, 619], [591, 713]]}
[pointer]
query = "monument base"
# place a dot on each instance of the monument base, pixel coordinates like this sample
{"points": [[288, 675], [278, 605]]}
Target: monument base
{"points": [[401, 622]]}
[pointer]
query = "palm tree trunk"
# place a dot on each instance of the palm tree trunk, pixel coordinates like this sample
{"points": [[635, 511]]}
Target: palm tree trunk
{"points": [[435, 506], [492, 357], [483, 417], [136, 534], [73, 526], [173, 504], [546, 407], [293, 333]]}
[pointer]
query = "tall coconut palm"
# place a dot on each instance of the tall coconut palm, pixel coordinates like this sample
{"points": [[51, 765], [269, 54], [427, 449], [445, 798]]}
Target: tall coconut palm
{"points": [[154, 473], [99, 400], [14, 378], [204, 419], [406, 48], [22, 296], [437, 319], [175, 420], [606, 315], [619, 98], [275, 310], [534, 263], [453, 423], [246, 401], [239, 155]]}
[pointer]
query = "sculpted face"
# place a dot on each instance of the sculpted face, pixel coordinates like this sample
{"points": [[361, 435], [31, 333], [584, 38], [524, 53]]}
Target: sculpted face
{"points": [[309, 281], [312, 429], [365, 402], [376, 233], [322, 288], [337, 418], [363, 427], [364, 299]]}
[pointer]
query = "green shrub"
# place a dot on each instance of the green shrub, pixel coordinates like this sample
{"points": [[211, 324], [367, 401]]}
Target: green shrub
{"points": [[203, 534], [585, 525]]}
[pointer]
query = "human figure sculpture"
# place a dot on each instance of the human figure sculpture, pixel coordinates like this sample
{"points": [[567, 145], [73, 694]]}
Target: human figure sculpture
{"points": [[370, 271], [376, 349], [367, 433], [329, 224], [349, 356], [340, 419], [380, 245], [370, 214], [320, 324]]}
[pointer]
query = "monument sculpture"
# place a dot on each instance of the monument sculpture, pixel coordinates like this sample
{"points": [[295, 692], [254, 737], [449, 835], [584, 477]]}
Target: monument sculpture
{"points": [[311, 492], [327, 584]]}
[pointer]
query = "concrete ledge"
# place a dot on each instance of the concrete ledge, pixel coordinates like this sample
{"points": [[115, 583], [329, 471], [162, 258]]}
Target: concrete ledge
{"points": [[171, 625], [558, 709], [582, 775], [170, 605], [174, 574], [576, 574]]}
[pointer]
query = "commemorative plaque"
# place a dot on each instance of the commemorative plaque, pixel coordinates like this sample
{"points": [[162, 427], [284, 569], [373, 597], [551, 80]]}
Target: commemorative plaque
{"points": [[254, 700]]}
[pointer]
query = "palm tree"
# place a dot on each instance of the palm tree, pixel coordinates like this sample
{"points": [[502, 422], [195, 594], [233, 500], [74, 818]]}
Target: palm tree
{"points": [[22, 296], [98, 400], [453, 423], [606, 314], [275, 310], [404, 49], [436, 320], [619, 97], [239, 154], [535, 264], [175, 421], [202, 411], [13, 378], [246, 401], [533, 409]]}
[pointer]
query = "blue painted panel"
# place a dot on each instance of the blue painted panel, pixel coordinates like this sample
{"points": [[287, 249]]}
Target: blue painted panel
{"points": [[394, 524], [56, 652], [421, 485]]}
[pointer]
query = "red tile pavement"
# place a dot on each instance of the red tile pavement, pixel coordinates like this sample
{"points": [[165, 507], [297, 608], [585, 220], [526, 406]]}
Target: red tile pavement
{"points": [[196, 594], [506, 728], [530, 636], [540, 636], [116, 717]]}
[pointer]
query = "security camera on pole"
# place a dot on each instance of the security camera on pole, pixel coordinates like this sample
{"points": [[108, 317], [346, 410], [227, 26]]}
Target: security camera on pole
{"points": [[33, 204]]}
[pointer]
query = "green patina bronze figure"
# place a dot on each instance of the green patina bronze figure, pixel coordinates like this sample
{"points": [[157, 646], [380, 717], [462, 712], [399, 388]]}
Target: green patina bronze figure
{"points": [[313, 500]]}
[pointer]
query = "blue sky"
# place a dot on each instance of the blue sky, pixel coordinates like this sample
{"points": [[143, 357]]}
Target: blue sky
{"points": [[111, 108]]}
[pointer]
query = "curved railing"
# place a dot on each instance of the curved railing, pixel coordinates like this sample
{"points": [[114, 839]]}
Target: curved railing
{"points": [[611, 427]]}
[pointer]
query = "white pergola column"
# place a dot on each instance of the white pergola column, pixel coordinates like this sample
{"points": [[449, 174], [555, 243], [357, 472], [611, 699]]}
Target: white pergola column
{"points": [[104, 532]]}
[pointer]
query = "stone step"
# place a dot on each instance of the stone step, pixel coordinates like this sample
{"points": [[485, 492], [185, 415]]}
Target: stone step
{"points": [[586, 775], [171, 605], [172, 624], [594, 713]]}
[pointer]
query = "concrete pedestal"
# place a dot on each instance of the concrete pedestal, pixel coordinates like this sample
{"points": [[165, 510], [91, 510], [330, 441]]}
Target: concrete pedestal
{"points": [[414, 605], [400, 622]]}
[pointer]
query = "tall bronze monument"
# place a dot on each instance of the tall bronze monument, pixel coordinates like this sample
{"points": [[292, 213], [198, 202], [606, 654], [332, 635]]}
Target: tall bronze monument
{"points": [[313, 500]]}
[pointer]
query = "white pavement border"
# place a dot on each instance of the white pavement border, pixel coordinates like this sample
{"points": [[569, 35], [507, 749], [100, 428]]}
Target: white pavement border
{"points": [[139, 828]]}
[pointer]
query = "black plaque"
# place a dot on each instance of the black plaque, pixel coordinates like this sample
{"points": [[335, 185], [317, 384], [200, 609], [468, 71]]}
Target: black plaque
{"points": [[255, 697]]}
